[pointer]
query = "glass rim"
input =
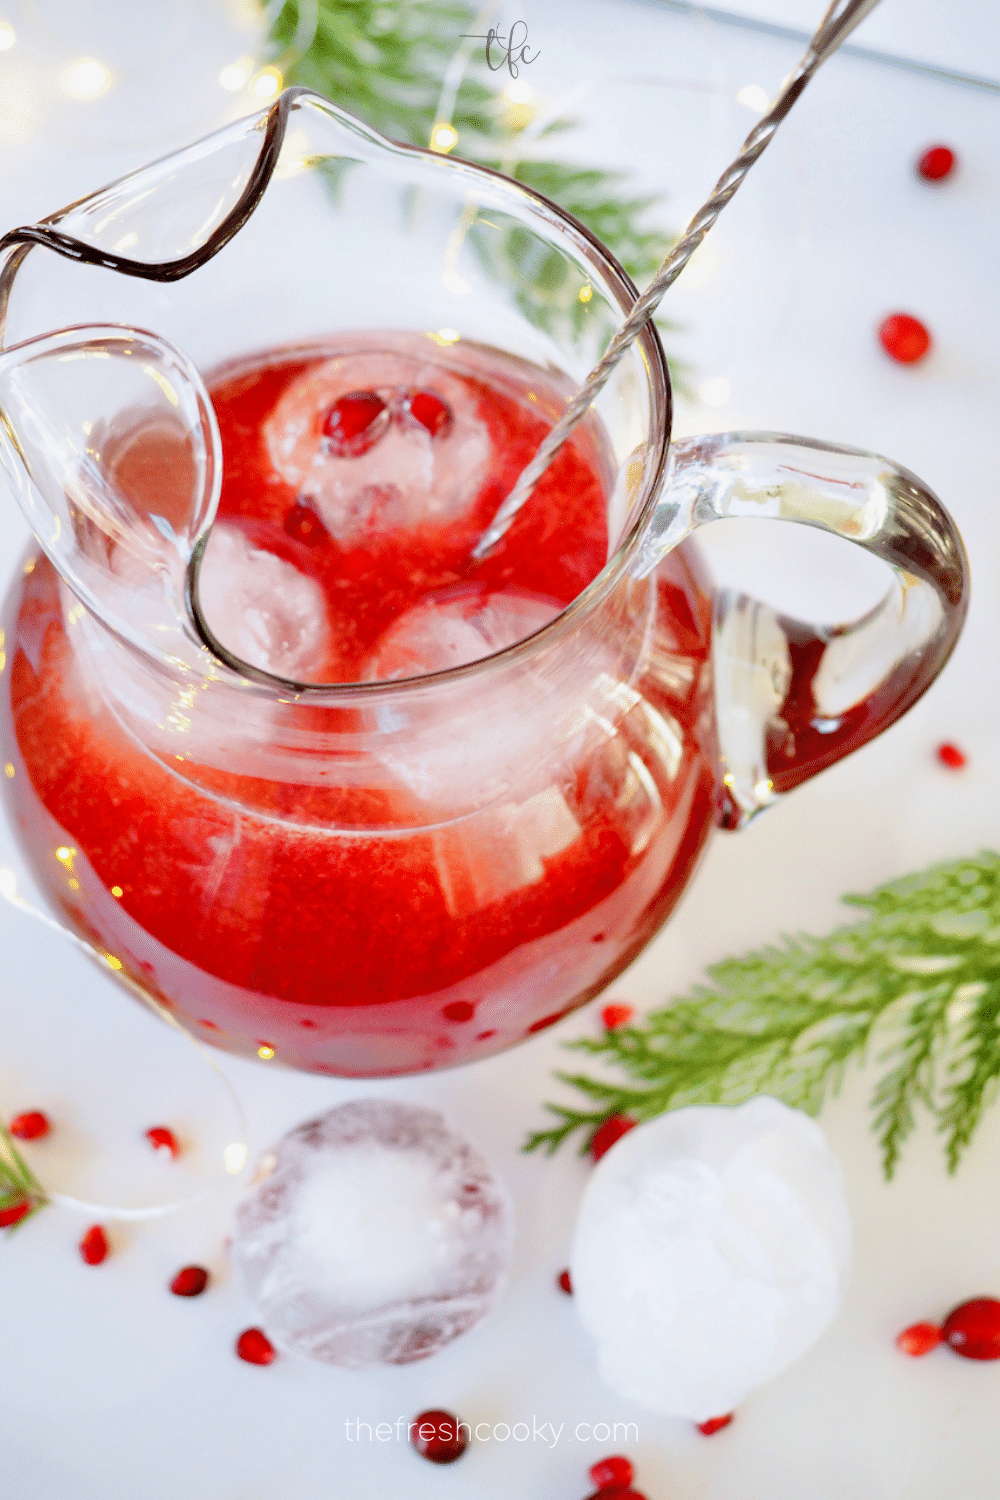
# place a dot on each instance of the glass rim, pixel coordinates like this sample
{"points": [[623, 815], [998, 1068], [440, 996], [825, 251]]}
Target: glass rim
{"points": [[615, 279]]}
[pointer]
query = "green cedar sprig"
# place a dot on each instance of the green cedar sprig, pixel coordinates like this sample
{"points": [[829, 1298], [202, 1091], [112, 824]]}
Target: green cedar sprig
{"points": [[914, 987]]}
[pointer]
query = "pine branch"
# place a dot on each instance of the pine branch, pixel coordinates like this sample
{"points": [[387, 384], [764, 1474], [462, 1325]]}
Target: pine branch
{"points": [[916, 984]]}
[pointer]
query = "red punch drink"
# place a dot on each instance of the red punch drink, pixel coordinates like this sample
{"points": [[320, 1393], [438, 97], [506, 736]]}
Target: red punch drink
{"points": [[376, 880]]}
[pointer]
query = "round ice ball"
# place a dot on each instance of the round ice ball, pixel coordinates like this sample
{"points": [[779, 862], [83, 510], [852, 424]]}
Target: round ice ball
{"points": [[376, 1236], [711, 1250]]}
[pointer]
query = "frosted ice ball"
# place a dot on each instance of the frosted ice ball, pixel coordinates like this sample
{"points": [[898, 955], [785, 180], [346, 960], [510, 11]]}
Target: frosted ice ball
{"points": [[711, 1250], [377, 1236]]}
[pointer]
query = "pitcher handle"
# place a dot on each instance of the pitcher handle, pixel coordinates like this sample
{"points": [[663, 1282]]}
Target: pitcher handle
{"points": [[793, 698]]}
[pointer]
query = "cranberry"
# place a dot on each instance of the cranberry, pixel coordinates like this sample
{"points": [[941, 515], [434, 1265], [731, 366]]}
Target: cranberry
{"points": [[904, 338], [951, 756], [304, 525], [973, 1329], [255, 1347], [94, 1245], [355, 423], [604, 1137], [438, 1436], [919, 1338], [163, 1140], [430, 411], [936, 162], [30, 1126], [715, 1424], [564, 1282], [13, 1213], [190, 1282], [614, 1016], [612, 1471]]}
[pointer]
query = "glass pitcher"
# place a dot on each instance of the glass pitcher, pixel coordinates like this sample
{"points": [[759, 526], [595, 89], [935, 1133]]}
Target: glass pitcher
{"points": [[433, 860]]}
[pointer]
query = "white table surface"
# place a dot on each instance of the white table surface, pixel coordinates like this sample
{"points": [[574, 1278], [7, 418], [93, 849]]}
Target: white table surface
{"points": [[108, 1386]]}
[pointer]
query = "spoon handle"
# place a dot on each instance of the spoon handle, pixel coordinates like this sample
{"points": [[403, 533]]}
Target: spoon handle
{"points": [[837, 24]]}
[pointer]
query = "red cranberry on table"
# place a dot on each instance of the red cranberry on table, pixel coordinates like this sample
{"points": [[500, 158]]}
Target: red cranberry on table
{"points": [[190, 1281], [438, 1436], [564, 1283], [951, 756], [715, 1424], [604, 1137], [14, 1212], [918, 1339], [163, 1141], [973, 1329], [614, 1016], [904, 338], [255, 1347], [433, 414], [614, 1472], [355, 423], [936, 162], [94, 1245], [30, 1126]]}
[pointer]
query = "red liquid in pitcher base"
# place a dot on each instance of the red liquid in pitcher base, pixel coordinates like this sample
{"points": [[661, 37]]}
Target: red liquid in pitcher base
{"points": [[385, 949]]}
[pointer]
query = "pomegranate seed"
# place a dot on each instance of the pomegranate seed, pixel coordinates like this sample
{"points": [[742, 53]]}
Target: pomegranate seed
{"points": [[919, 1338], [94, 1245], [304, 525], [14, 1212], [936, 162], [604, 1137], [612, 1471], [973, 1329], [904, 338], [30, 1126], [951, 756], [163, 1140], [255, 1347], [430, 411], [614, 1016], [355, 423], [715, 1424], [190, 1282], [438, 1436], [564, 1282], [459, 1010]]}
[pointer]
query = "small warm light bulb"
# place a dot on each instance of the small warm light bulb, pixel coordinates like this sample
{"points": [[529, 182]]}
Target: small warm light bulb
{"points": [[112, 962], [443, 137], [64, 854], [8, 771], [448, 335], [585, 293], [234, 1156], [7, 36], [265, 1052], [233, 77], [519, 92], [117, 892], [87, 78], [715, 392], [267, 83], [754, 97]]}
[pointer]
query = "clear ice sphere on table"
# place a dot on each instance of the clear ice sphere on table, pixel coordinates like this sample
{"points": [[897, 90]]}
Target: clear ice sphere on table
{"points": [[409, 476], [264, 609], [711, 1250], [376, 1236]]}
